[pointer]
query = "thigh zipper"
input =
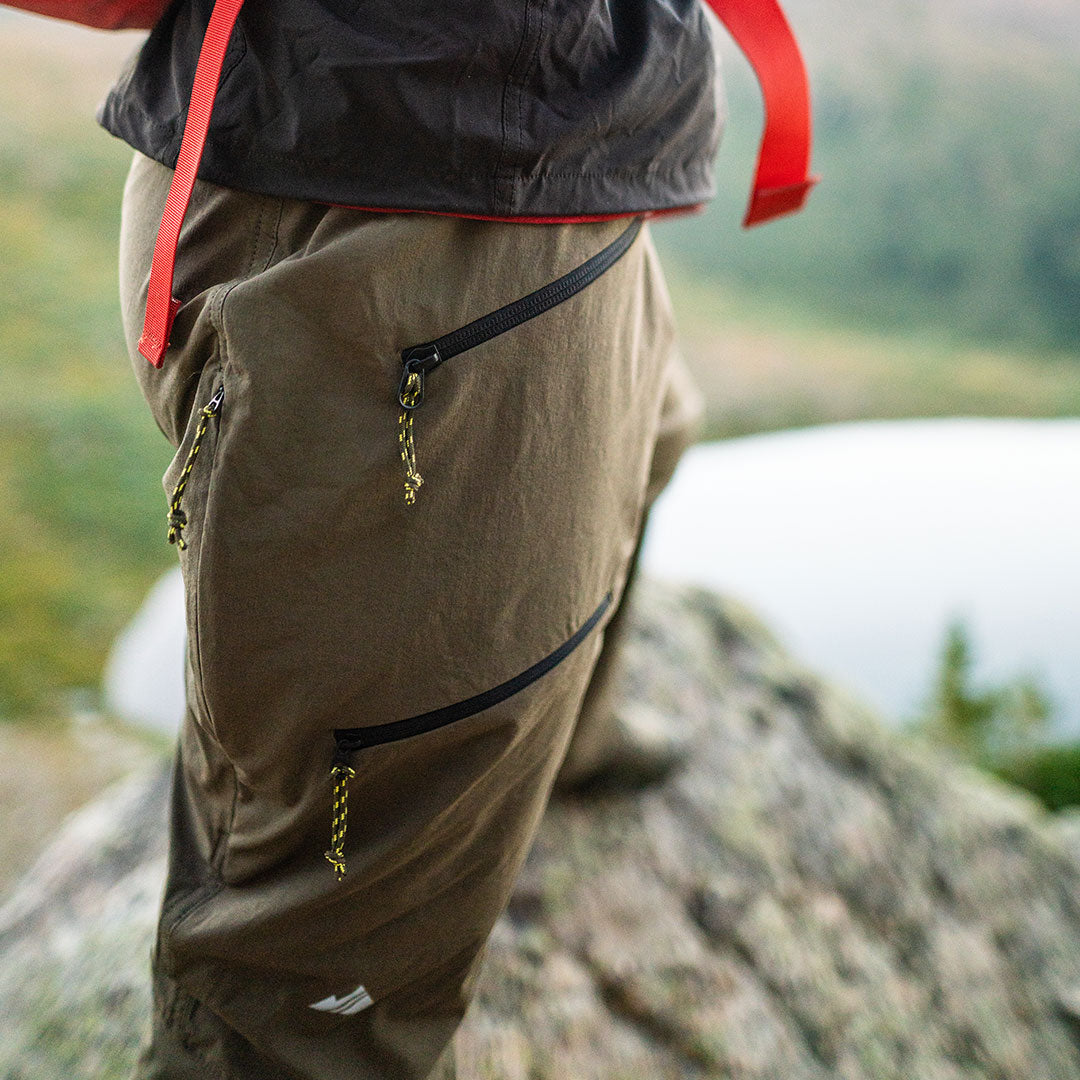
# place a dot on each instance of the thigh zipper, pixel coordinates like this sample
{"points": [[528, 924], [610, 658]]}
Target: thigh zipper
{"points": [[349, 740], [418, 361]]}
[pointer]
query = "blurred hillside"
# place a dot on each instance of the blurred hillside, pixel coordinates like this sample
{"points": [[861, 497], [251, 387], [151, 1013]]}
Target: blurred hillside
{"points": [[949, 139]]}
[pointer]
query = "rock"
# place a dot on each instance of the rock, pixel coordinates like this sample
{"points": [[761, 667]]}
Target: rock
{"points": [[75, 938], [143, 683], [809, 896]]}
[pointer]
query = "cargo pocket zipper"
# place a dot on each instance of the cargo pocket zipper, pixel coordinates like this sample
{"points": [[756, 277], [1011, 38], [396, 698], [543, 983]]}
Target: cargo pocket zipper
{"points": [[418, 361], [349, 741], [177, 518]]}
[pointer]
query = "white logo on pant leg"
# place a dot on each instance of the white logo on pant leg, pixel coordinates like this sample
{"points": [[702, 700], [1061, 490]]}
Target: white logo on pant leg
{"points": [[346, 1006]]}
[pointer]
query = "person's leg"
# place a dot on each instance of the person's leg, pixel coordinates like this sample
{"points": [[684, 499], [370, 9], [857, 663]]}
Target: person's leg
{"points": [[435, 654], [609, 745]]}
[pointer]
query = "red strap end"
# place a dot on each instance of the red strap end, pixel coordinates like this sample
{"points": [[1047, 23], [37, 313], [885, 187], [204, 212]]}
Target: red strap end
{"points": [[161, 305], [769, 203], [155, 339], [782, 181]]}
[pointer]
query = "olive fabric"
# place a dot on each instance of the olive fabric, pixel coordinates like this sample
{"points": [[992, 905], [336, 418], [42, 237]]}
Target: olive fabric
{"points": [[487, 107], [385, 687]]}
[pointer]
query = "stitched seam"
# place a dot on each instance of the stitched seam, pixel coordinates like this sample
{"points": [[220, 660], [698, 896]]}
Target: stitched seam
{"points": [[496, 176], [275, 237], [345, 164], [217, 306], [221, 846], [516, 177], [220, 319], [221, 849], [256, 236], [201, 679]]}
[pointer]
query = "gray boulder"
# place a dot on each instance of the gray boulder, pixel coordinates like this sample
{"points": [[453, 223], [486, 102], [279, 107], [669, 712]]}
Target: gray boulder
{"points": [[809, 897], [143, 681]]}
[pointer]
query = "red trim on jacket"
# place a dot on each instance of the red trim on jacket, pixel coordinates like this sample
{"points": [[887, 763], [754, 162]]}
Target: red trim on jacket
{"points": [[577, 219]]}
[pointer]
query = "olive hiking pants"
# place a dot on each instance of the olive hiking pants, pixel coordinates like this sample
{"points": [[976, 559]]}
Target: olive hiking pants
{"points": [[407, 495]]}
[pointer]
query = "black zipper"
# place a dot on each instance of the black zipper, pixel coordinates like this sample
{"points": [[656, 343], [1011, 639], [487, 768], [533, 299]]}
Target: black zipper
{"points": [[419, 360], [349, 740], [422, 359]]}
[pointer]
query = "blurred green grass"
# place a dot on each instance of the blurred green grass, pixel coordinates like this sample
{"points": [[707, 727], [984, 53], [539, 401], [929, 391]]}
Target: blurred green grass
{"points": [[765, 365], [81, 535]]}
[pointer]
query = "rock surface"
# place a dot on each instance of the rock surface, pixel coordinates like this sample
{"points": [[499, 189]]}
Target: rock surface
{"points": [[809, 897], [143, 681]]}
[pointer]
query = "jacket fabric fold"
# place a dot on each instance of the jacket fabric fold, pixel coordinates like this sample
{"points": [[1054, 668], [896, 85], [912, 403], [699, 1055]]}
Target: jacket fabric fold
{"points": [[525, 108]]}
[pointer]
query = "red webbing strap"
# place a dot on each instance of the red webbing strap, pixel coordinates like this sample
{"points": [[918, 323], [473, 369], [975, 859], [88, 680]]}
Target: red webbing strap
{"points": [[783, 181], [161, 308]]}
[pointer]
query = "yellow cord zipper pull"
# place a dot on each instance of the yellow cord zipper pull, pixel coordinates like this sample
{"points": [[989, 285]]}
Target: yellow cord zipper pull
{"points": [[177, 518], [418, 362], [410, 397], [341, 775]]}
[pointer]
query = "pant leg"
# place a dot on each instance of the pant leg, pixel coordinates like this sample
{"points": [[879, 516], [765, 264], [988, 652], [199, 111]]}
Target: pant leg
{"points": [[596, 733], [319, 601]]}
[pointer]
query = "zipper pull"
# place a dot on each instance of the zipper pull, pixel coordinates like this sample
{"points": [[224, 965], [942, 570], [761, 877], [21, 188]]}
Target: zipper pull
{"points": [[341, 773], [177, 518], [417, 361]]}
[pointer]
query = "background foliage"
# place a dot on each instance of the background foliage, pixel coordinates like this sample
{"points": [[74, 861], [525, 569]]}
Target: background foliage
{"points": [[948, 136]]}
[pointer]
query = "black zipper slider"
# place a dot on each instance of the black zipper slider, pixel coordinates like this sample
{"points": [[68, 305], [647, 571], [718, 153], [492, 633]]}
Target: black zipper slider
{"points": [[418, 361], [214, 404], [415, 396]]}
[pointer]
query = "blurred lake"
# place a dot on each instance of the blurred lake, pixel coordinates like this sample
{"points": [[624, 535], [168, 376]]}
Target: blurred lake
{"points": [[859, 542]]}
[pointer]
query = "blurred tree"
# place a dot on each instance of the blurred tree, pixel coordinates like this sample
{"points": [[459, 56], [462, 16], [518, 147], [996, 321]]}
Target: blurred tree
{"points": [[982, 725]]}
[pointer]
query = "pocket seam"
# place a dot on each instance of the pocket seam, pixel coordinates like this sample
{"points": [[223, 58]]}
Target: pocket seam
{"points": [[197, 570], [211, 377]]}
